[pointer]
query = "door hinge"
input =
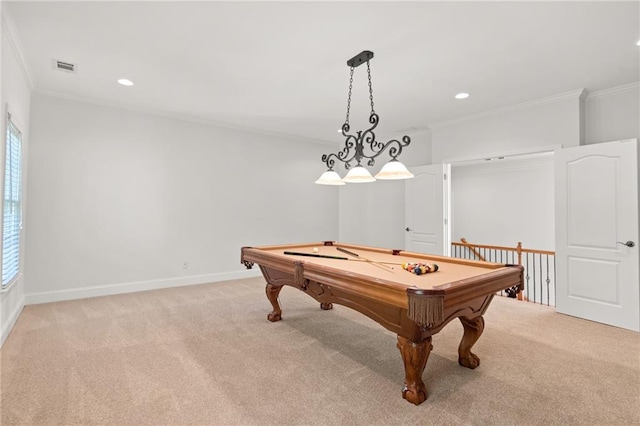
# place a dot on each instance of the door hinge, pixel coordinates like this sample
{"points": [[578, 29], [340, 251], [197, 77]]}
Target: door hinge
{"points": [[445, 176]]}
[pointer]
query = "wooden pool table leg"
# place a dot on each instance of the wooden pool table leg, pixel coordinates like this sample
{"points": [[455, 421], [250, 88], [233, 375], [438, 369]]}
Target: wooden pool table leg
{"points": [[473, 328], [414, 356], [272, 294]]}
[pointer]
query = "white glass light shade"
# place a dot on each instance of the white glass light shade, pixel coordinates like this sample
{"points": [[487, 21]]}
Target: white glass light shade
{"points": [[358, 175], [330, 178], [394, 170]]}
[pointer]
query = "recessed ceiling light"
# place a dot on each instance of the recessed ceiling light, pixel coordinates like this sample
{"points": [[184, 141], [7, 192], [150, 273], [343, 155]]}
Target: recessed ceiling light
{"points": [[462, 95], [638, 43], [125, 82]]}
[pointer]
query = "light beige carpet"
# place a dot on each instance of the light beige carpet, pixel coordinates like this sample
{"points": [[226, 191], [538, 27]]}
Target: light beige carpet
{"points": [[207, 355]]}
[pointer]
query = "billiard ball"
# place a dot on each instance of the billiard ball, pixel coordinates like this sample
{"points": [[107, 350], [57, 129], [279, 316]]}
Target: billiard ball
{"points": [[315, 249]]}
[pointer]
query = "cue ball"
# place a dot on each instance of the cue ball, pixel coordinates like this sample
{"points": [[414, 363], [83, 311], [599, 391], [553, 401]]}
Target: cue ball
{"points": [[315, 249]]}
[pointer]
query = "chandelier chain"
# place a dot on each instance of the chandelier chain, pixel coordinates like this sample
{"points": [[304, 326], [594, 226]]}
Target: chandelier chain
{"points": [[370, 88], [349, 98]]}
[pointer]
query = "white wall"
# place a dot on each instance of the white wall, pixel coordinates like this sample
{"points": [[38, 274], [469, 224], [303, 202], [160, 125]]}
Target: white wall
{"points": [[613, 114], [16, 94], [503, 202], [120, 199], [373, 213], [542, 123]]}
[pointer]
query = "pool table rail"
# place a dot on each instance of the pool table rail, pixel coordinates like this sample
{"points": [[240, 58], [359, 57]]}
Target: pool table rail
{"points": [[383, 301]]}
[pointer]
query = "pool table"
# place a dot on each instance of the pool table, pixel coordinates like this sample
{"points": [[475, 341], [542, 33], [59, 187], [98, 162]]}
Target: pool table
{"points": [[373, 282]]}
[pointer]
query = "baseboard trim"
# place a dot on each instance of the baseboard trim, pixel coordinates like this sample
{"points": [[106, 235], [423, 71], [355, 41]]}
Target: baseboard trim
{"points": [[11, 321], [132, 287]]}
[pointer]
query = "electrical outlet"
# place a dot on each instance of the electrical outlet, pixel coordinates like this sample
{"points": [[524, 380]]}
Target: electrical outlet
{"points": [[185, 264]]}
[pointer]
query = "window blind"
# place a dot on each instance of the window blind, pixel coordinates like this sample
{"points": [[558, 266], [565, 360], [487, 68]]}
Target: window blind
{"points": [[12, 213]]}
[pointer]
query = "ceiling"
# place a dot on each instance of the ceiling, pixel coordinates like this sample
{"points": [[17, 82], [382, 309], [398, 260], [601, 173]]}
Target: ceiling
{"points": [[280, 67]]}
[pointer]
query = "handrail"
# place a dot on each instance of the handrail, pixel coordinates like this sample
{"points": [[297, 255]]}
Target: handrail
{"points": [[469, 246], [464, 243], [530, 259]]}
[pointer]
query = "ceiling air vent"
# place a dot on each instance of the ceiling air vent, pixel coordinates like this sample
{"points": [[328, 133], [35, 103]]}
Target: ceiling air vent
{"points": [[65, 66]]}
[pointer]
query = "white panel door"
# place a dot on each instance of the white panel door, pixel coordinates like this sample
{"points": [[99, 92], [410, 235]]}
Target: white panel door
{"points": [[427, 210], [597, 255]]}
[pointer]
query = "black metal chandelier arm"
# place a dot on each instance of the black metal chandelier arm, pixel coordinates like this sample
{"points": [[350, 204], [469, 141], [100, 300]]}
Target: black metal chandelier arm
{"points": [[345, 132], [394, 146], [345, 155], [395, 151], [330, 162], [368, 136], [350, 138]]}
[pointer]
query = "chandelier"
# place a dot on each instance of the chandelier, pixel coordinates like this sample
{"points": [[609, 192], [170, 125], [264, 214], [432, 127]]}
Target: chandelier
{"points": [[363, 146]]}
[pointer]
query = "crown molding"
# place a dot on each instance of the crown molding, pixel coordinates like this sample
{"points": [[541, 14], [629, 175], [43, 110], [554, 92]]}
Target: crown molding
{"points": [[180, 117], [614, 90], [574, 94], [10, 31]]}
